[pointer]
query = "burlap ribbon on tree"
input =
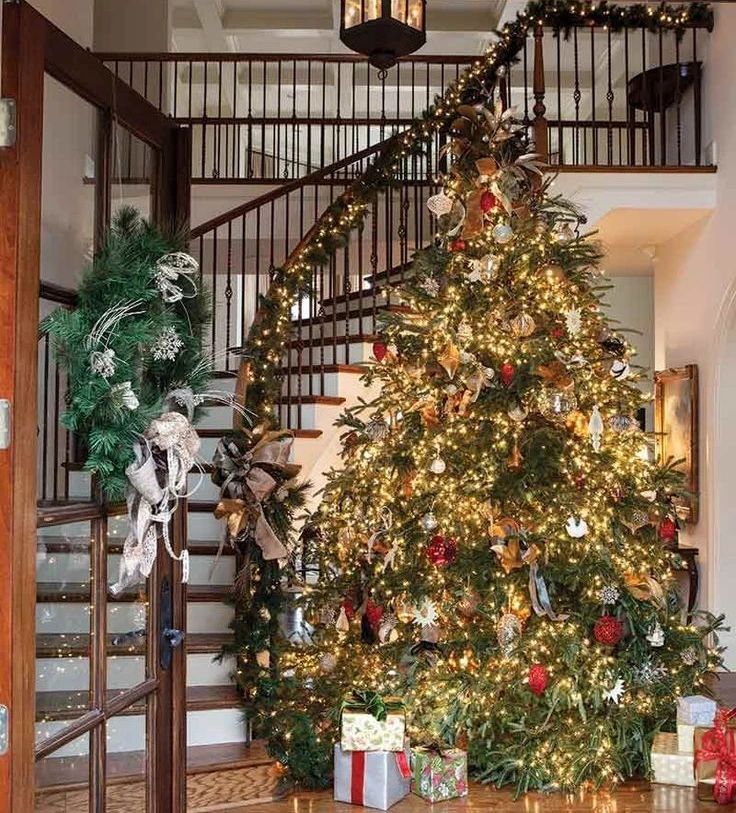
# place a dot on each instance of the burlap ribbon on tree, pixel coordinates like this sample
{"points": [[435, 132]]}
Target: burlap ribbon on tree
{"points": [[246, 482]]}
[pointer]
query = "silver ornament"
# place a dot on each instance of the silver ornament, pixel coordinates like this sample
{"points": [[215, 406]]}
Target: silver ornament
{"points": [[438, 465], [576, 528], [502, 233], [609, 594], [377, 429], [508, 631], [556, 404], [440, 204], [429, 521], [620, 369]]}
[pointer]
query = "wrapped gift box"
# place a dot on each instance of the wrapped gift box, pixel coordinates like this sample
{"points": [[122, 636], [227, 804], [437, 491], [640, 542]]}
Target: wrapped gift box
{"points": [[670, 766], [371, 778], [439, 774], [696, 710], [715, 755], [685, 738], [366, 728]]}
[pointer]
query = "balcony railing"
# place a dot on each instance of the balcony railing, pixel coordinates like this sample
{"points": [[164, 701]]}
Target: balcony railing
{"points": [[595, 98]]}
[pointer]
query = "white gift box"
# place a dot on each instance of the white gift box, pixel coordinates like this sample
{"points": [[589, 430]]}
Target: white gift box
{"points": [[685, 738], [696, 710], [670, 766]]}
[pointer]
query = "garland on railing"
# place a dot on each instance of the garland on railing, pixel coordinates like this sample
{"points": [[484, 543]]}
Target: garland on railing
{"points": [[270, 331]]}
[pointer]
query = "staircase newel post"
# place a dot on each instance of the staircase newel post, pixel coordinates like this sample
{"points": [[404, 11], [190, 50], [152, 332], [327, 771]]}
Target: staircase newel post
{"points": [[540, 122]]}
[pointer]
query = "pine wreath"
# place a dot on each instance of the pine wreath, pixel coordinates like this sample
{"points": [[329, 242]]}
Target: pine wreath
{"points": [[132, 347]]}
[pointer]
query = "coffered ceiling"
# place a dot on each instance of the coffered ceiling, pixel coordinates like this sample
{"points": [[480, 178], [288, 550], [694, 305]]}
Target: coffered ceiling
{"points": [[312, 26]]}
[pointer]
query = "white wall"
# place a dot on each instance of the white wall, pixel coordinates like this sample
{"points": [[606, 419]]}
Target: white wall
{"points": [[695, 289], [631, 308]]}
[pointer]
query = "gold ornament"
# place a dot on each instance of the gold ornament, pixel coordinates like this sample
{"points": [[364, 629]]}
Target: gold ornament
{"points": [[522, 325], [263, 659], [515, 459], [554, 273], [449, 359], [468, 605], [577, 423]]}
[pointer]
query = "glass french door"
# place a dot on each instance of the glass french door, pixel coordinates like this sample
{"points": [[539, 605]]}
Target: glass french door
{"points": [[91, 683]]}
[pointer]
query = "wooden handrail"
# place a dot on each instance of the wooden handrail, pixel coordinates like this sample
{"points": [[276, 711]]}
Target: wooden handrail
{"points": [[285, 189], [229, 56]]}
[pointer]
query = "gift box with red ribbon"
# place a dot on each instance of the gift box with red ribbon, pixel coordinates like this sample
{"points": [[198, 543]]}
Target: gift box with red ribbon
{"points": [[376, 779], [715, 759]]}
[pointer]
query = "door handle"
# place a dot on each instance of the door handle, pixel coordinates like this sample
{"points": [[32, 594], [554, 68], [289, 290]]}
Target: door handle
{"points": [[169, 637]]}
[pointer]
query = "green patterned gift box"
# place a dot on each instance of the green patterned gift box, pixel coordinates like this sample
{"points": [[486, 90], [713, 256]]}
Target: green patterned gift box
{"points": [[439, 773], [370, 722]]}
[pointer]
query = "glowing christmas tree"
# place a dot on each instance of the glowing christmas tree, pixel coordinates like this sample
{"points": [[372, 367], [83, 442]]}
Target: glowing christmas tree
{"points": [[495, 548]]}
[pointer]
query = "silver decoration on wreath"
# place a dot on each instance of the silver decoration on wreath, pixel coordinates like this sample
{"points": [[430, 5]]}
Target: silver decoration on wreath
{"points": [[102, 362], [167, 345], [174, 276], [122, 395]]}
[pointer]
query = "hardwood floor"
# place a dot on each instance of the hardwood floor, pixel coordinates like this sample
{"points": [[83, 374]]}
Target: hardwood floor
{"points": [[630, 798]]}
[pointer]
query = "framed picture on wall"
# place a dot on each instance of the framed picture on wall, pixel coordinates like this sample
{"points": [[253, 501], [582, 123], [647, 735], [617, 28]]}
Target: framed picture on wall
{"points": [[676, 429]]}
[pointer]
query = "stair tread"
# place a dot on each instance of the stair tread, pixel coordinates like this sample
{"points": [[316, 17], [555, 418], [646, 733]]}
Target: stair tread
{"points": [[355, 313], [218, 433], [76, 592], [81, 544], [64, 772], [317, 369], [68, 705], [327, 400], [77, 644]]}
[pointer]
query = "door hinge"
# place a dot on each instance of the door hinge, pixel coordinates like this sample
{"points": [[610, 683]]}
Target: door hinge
{"points": [[4, 729], [7, 123], [4, 423]]}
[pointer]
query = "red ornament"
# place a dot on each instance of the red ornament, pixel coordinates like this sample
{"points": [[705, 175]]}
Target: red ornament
{"points": [[457, 245], [608, 630], [373, 613], [538, 678], [441, 551], [667, 530], [508, 371], [580, 480], [349, 608], [556, 332], [379, 350], [487, 201]]}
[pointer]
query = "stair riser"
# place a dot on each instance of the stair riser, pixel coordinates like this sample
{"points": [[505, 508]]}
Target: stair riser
{"points": [[330, 384], [128, 732], [328, 354], [58, 618], [75, 567], [327, 329], [125, 671]]}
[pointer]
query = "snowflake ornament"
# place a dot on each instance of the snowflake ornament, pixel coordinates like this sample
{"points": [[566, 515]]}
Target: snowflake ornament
{"points": [[167, 345], [102, 362], [574, 321], [609, 594], [689, 656], [649, 673], [425, 614], [616, 692], [430, 286]]}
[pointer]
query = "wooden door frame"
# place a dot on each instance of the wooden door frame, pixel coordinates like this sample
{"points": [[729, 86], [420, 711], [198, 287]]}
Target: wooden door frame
{"points": [[31, 48]]}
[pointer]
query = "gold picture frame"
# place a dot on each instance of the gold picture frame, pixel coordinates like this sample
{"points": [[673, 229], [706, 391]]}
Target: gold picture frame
{"points": [[676, 430]]}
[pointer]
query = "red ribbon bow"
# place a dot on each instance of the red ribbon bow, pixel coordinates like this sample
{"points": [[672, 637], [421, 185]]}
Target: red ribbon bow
{"points": [[718, 745]]}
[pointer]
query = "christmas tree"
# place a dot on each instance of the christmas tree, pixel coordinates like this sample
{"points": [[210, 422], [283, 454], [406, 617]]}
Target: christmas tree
{"points": [[495, 548]]}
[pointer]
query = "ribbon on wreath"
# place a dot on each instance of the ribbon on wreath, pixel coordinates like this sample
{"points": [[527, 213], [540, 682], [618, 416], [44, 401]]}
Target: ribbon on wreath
{"points": [[245, 483], [174, 273], [372, 703], [157, 480], [718, 744]]}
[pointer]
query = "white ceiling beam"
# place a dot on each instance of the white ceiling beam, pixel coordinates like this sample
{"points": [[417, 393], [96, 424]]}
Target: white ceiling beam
{"points": [[240, 19]]}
